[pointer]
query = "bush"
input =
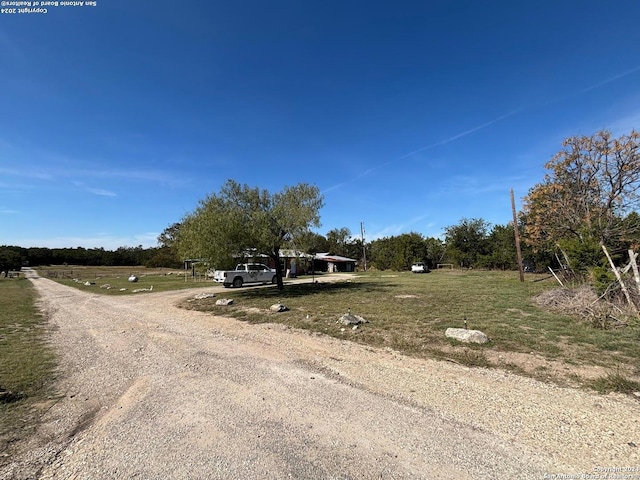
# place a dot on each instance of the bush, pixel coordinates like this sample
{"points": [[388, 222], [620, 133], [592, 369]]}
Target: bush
{"points": [[601, 278], [583, 255]]}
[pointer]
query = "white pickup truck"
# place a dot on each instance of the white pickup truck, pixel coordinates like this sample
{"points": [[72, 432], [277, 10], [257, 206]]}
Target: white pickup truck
{"points": [[419, 268], [245, 273]]}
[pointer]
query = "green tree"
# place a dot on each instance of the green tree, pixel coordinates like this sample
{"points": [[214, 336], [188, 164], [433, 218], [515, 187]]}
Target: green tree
{"points": [[240, 218], [381, 253], [163, 257], [10, 258], [169, 235], [166, 255], [467, 241], [399, 252], [500, 249], [631, 233], [311, 243], [339, 239], [436, 251], [410, 248], [355, 249]]}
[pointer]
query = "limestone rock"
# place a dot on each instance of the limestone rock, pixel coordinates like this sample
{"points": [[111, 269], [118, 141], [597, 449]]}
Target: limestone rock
{"points": [[351, 319], [202, 296], [224, 301], [138, 290], [466, 336], [278, 307]]}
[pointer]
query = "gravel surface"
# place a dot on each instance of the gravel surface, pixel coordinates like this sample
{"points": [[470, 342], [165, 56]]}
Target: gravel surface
{"points": [[150, 391]]}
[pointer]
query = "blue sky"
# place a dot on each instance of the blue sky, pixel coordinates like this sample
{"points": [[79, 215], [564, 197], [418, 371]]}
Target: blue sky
{"points": [[408, 115]]}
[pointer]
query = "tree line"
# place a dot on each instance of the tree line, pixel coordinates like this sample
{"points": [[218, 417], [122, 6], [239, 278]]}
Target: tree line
{"points": [[589, 197], [14, 257], [470, 243]]}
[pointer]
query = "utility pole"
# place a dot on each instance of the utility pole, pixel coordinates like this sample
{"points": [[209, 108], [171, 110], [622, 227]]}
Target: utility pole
{"points": [[364, 252], [517, 233]]}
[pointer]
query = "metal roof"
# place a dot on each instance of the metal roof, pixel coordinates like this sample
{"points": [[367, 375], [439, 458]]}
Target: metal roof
{"points": [[327, 257]]}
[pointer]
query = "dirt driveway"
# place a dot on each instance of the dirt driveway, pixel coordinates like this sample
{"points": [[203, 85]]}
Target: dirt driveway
{"points": [[151, 391]]}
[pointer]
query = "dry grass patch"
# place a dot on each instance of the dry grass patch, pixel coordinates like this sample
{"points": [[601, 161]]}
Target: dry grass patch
{"points": [[584, 303]]}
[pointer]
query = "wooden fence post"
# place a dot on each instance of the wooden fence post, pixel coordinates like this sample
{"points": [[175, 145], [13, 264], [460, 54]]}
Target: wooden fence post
{"points": [[634, 266], [554, 274], [617, 273], [517, 234]]}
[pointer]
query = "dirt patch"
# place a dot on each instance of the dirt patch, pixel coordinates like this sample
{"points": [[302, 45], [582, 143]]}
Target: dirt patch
{"points": [[537, 366], [540, 367]]}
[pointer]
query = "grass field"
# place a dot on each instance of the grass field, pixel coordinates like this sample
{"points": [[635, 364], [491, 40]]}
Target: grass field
{"points": [[26, 361], [162, 279], [410, 313]]}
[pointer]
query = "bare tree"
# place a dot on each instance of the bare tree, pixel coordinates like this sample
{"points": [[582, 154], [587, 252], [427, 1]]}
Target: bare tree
{"points": [[592, 184]]}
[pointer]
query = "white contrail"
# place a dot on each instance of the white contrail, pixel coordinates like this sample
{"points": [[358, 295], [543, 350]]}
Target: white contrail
{"points": [[591, 87], [422, 149], [484, 125], [459, 135], [609, 80]]}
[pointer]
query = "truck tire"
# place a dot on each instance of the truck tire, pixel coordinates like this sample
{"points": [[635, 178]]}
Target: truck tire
{"points": [[237, 282]]}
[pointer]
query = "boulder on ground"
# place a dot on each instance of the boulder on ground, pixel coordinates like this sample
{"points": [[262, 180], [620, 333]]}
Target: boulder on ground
{"points": [[224, 301], [466, 336], [278, 307], [350, 319], [133, 279]]}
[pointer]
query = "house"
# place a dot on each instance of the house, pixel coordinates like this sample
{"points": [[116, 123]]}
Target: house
{"points": [[291, 261], [325, 262], [296, 263]]}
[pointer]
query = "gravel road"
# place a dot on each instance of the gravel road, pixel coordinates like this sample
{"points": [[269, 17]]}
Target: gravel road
{"points": [[150, 391]]}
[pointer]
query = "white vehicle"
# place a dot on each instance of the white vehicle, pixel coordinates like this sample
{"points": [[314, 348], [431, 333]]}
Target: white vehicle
{"points": [[245, 273], [419, 268]]}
